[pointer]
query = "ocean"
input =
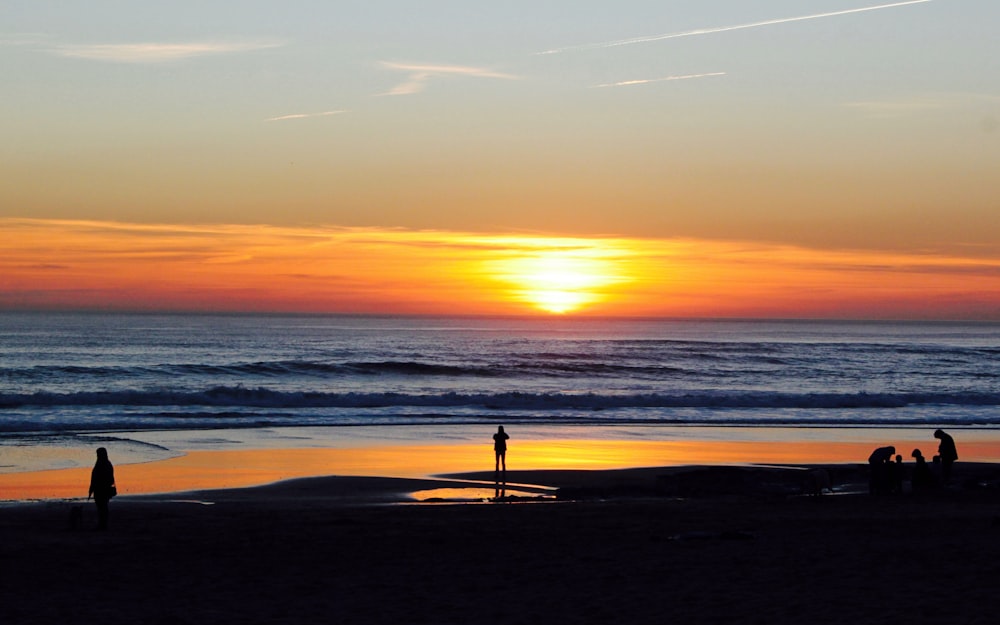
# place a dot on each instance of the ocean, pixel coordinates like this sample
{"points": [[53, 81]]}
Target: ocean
{"points": [[66, 375], [74, 372]]}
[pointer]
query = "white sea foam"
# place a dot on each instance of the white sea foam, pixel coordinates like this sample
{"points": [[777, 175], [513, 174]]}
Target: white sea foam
{"points": [[68, 373]]}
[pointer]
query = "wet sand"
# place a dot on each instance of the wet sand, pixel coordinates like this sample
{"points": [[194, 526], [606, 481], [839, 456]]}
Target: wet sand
{"points": [[678, 544], [230, 461]]}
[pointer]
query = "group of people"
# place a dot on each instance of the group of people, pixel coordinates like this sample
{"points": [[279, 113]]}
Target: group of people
{"points": [[888, 472]]}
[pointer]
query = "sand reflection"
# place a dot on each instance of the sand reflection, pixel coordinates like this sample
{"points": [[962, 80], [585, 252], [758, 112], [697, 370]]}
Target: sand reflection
{"points": [[482, 493], [202, 470]]}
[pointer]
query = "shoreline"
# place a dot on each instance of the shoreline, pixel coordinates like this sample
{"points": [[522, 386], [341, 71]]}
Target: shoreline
{"points": [[694, 481], [214, 460]]}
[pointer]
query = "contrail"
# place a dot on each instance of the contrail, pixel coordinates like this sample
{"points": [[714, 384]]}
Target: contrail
{"points": [[421, 74], [722, 29], [645, 81], [302, 116]]}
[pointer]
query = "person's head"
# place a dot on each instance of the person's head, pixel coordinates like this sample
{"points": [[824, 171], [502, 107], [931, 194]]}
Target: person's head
{"points": [[892, 449], [899, 458], [102, 453], [500, 429], [938, 433], [916, 454]]}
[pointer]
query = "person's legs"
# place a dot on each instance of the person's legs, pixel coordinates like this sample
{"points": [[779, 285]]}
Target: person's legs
{"points": [[102, 513]]}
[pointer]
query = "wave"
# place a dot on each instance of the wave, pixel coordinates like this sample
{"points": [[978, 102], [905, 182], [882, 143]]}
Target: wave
{"points": [[297, 368], [649, 360], [274, 368], [259, 397]]}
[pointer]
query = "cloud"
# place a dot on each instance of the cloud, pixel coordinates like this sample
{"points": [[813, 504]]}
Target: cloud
{"points": [[23, 39], [420, 75], [156, 52], [923, 103], [722, 29], [890, 108], [302, 116], [45, 267], [646, 81]]}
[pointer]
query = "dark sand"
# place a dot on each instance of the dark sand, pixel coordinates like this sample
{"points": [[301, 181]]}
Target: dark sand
{"points": [[678, 545]]}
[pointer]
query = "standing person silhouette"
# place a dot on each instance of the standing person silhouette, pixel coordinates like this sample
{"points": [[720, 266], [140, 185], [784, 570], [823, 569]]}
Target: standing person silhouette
{"points": [[500, 449], [102, 486], [947, 452]]}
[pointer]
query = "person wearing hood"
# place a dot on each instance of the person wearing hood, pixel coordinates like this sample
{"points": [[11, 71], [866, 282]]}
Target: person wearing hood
{"points": [[102, 486]]}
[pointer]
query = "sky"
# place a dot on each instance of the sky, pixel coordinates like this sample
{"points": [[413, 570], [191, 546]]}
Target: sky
{"points": [[709, 158]]}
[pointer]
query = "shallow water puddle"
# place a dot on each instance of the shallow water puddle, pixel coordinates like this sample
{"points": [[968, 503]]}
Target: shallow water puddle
{"points": [[473, 494]]}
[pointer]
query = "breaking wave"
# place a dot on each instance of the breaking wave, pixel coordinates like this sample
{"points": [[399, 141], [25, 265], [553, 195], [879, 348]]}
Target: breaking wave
{"points": [[240, 396]]}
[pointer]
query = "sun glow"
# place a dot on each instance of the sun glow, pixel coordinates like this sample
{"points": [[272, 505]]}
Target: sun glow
{"points": [[94, 265], [560, 280]]}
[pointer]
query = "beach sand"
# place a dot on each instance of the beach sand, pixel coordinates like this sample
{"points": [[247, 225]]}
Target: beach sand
{"points": [[720, 544]]}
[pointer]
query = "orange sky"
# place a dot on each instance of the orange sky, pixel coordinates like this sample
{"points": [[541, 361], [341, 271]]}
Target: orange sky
{"points": [[714, 158], [57, 264]]}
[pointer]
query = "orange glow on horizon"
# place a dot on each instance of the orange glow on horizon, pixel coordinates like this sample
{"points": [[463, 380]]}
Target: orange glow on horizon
{"points": [[53, 264]]}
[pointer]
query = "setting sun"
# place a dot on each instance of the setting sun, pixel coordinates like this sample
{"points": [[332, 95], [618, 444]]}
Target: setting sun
{"points": [[560, 280], [558, 284]]}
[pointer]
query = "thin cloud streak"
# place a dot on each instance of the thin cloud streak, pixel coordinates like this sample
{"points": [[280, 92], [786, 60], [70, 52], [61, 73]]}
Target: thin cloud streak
{"points": [[302, 116], [23, 39], [420, 75], [924, 103], [722, 29], [156, 52], [646, 81]]}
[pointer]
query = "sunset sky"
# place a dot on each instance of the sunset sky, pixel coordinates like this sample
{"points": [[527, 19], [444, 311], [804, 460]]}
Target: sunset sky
{"points": [[779, 158]]}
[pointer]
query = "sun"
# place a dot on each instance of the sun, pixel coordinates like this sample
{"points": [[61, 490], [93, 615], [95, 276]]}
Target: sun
{"points": [[558, 284], [559, 281]]}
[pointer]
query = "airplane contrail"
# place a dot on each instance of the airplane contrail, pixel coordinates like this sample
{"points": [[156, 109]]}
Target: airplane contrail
{"points": [[644, 81], [302, 116], [722, 29]]}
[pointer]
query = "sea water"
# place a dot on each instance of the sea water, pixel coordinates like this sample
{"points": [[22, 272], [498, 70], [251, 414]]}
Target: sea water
{"points": [[66, 375]]}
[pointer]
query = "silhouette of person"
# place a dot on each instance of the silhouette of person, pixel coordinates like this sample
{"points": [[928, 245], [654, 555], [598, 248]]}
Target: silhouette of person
{"points": [[922, 478], [896, 485], [947, 452], [878, 462], [102, 486], [500, 449]]}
